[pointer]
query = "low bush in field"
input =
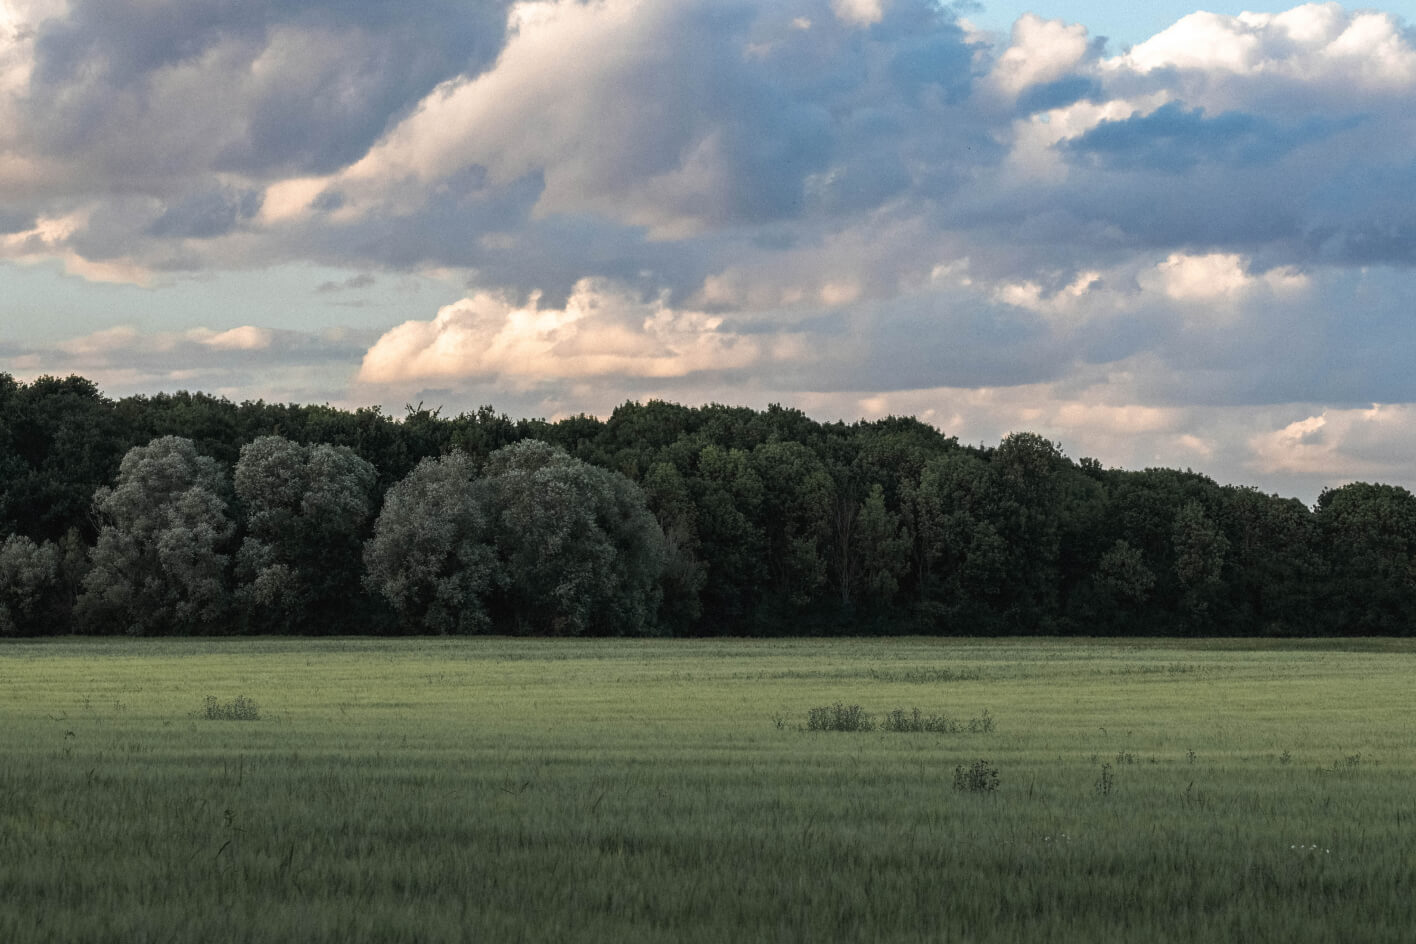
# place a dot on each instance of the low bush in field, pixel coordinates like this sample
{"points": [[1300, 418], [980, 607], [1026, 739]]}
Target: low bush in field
{"points": [[239, 708], [841, 717], [916, 720], [978, 777]]}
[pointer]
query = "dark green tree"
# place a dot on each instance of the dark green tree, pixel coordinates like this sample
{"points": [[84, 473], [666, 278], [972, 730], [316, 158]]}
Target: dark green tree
{"points": [[61, 440], [306, 508], [1369, 534]]}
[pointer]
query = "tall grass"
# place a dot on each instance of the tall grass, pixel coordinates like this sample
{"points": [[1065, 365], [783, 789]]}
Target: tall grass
{"points": [[518, 790]]}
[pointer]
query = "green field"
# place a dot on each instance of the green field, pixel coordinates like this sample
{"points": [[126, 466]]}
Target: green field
{"points": [[540, 790]]}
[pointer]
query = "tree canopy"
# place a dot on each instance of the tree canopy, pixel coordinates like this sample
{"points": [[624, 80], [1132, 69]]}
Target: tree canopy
{"points": [[187, 513]]}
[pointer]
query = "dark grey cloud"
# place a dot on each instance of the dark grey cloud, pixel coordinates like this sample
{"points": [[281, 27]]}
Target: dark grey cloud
{"points": [[206, 215], [929, 52], [1059, 94], [15, 221], [252, 87], [362, 280], [1174, 139]]}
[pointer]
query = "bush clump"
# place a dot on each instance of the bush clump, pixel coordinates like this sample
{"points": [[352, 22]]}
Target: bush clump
{"points": [[239, 708], [839, 717], [978, 777], [917, 721]]}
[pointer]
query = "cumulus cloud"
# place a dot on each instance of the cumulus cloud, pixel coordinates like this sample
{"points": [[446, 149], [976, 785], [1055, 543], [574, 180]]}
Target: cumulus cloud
{"points": [[1315, 44], [1339, 445], [858, 12], [1217, 277], [666, 120], [1042, 52], [602, 330], [244, 338], [195, 85]]}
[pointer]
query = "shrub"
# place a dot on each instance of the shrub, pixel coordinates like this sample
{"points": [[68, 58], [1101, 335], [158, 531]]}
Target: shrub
{"points": [[1106, 783], [916, 720], [978, 777], [239, 708], [839, 717], [982, 724]]}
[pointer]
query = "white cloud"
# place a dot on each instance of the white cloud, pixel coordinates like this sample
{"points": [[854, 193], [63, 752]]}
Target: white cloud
{"points": [[586, 94], [1089, 421], [48, 239], [244, 338], [1340, 445], [1205, 41], [1079, 295], [47, 235], [1216, 277], [1041, 51], [291, 199], [603, 330], [1310, 44], [1213, 282], [858, 12], [1210, 277], [1034, 154]]}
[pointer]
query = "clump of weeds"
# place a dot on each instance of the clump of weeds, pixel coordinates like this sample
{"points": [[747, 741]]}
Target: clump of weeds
{"points": [[979, 777], [916, 720], [839, 717], [983, 724], [1105, 784], [239, 708], [1347, 765]]}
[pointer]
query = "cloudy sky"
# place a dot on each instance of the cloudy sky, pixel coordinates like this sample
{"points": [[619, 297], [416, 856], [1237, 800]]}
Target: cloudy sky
{"points": [[1156, 235]]}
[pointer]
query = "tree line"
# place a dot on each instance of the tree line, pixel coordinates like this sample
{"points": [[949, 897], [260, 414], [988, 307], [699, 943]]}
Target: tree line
{"points": [[187, 513]]}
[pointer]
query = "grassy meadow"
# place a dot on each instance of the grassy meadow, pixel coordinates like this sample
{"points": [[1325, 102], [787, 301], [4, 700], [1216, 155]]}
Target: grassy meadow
{"points": [[506, 790]]}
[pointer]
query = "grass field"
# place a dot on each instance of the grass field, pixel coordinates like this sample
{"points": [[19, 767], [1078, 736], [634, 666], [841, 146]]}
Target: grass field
{"points": [[536, 790]]}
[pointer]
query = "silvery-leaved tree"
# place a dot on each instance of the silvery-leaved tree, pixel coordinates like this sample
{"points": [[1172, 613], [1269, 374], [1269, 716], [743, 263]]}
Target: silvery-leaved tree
{"points": [[579, 548], [429, 555], [160, 564], [306, 507]]}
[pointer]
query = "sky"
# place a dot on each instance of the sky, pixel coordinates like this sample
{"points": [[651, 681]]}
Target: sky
{"points": [[1157, 235]]}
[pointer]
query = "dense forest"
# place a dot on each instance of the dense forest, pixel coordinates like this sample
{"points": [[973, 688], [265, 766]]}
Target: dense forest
{"points": [[189, 514]]}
